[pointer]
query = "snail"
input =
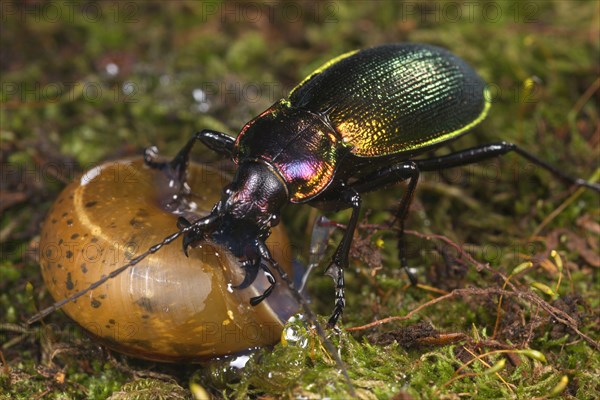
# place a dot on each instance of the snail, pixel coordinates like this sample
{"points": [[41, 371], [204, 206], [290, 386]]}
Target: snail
{"points": [[168, 307]]}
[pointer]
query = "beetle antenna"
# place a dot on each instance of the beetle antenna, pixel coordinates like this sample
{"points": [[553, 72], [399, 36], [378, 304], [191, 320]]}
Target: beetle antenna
{"points": [[151, 250]]}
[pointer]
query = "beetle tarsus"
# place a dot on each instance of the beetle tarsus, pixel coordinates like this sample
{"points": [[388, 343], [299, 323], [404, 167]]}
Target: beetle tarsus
{"points": [[340, 299], [258, 299], [336, 271], [150, 157]]}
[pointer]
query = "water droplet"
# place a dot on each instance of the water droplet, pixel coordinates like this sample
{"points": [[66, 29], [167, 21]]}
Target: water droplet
{"points": [[202, 104], [199, 95], [239, 362], [112, 69], [294, 333], [128, 87]]}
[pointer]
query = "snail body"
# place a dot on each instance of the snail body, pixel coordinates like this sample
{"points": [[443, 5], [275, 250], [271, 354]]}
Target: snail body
{"points": [[168, 307]]}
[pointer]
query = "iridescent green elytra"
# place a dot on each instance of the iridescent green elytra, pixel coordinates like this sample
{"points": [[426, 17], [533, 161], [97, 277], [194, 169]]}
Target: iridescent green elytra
{"points": [[390, 101], [395, 98]]}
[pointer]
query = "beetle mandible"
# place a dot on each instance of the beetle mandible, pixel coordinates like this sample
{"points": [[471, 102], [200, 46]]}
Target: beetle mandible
{"points": [[351, 127]]}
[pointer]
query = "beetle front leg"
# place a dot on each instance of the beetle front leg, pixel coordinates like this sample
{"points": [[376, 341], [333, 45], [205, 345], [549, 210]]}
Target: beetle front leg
{"points": [[251, 266], [340, 257], [271, 278], [176, 168]]}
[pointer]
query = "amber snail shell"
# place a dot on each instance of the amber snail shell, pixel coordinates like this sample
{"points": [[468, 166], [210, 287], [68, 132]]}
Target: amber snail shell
{"points": [[169, 307]]}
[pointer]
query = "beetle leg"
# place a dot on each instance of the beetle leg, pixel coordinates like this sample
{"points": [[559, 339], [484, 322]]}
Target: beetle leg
{"points": [[310, 316], [265, 254], [218, 142], [387, 176], [401, 215], [256, 300], [352, 199], [176, 168], [480, 153]]}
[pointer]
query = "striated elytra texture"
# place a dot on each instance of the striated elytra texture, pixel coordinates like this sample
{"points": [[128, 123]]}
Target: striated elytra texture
{"points": [[168, 307], [395, 98], [375, 106]]}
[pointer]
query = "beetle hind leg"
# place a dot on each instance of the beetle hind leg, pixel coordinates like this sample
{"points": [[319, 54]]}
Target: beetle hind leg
{"points": [[390, 175], [401, 215], [492, 150]]}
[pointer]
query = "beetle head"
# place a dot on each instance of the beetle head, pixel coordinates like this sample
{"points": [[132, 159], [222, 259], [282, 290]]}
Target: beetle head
{"points": [[255, 197], [248, 209]]}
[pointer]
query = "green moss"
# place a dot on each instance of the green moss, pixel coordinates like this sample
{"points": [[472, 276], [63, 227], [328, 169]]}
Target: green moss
{"points": [[491, 210], [303, 367]]}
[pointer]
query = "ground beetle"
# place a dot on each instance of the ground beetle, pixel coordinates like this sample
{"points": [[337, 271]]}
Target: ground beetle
{"points": [[352, 126]]}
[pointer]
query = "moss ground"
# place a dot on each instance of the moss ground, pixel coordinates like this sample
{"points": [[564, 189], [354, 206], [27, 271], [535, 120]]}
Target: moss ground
{"points": [[86, 82]]}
